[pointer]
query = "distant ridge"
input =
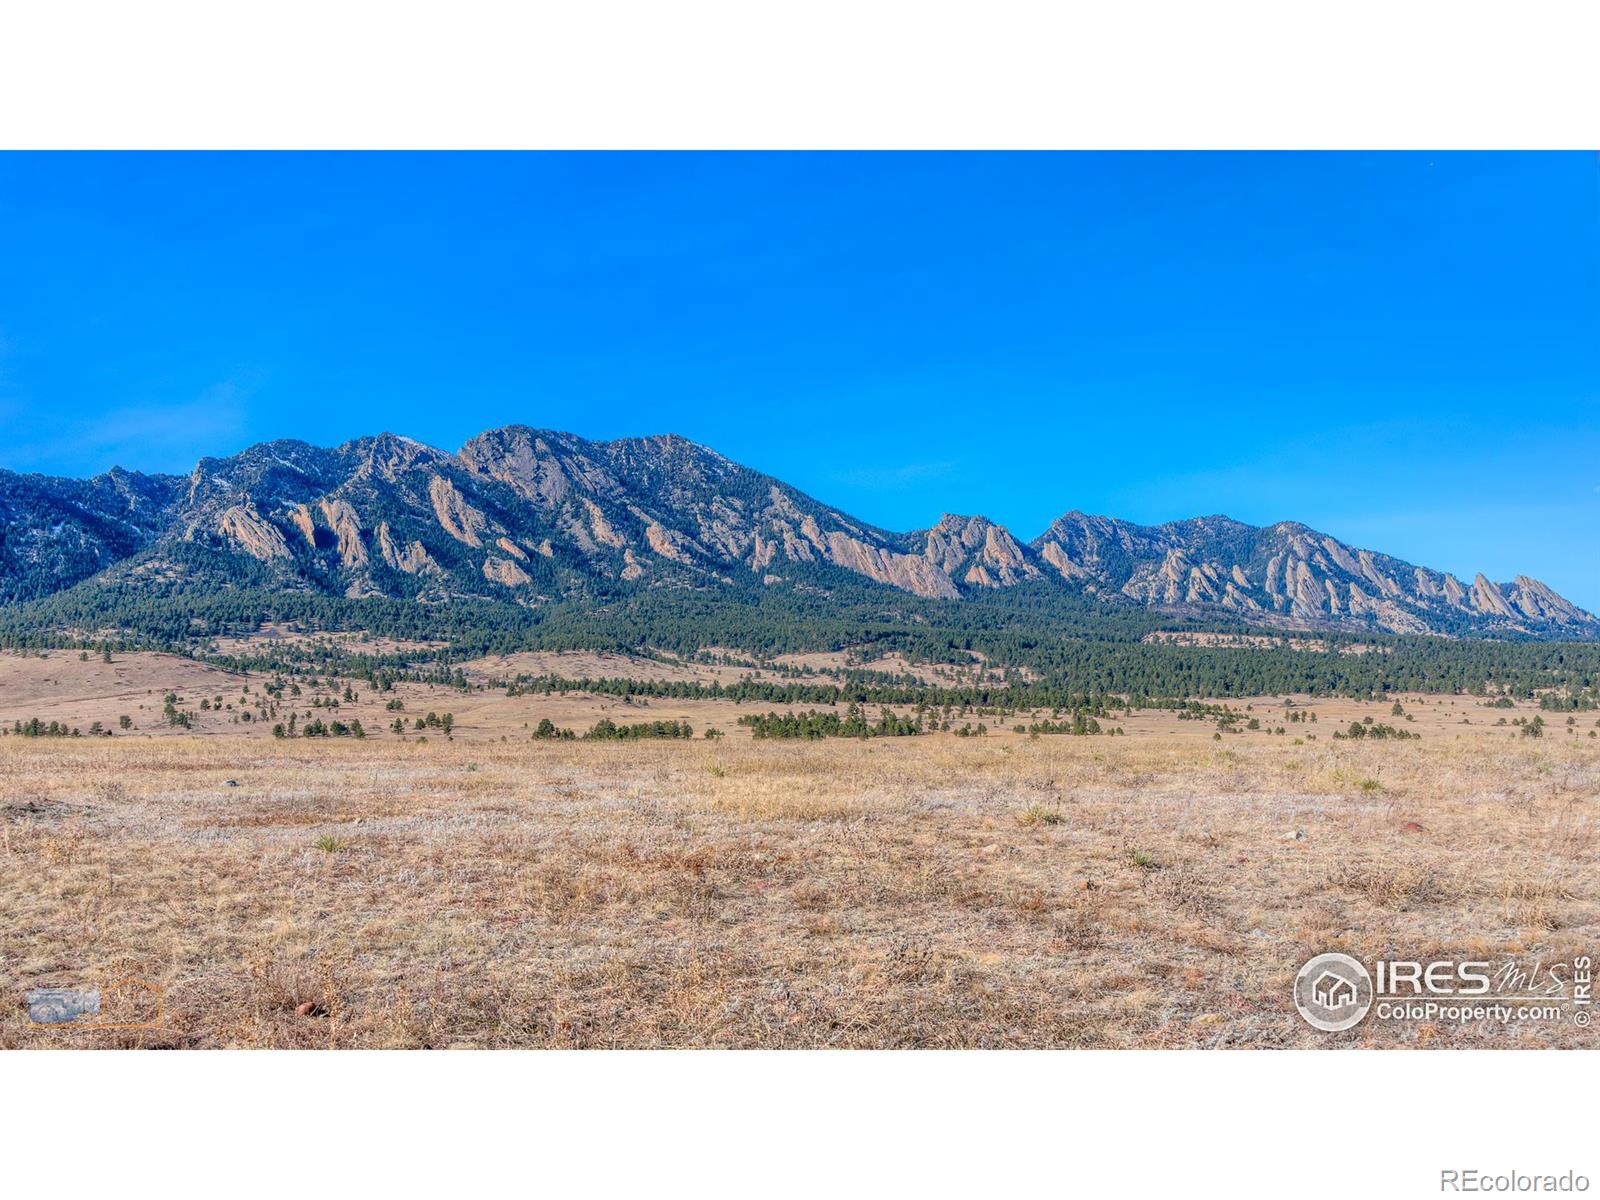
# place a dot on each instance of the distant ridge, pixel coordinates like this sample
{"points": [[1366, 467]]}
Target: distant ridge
{"points": [[533, 517]]}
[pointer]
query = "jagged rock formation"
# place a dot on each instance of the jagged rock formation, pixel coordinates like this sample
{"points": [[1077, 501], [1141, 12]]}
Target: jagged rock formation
{"points": [[243, 526], [414, 559], [532, 516], [1289, 575], [1537, 602], [975, 551]]}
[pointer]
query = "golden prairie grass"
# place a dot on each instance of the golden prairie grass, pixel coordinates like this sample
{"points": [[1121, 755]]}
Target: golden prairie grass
{"points": [[920, 892]]}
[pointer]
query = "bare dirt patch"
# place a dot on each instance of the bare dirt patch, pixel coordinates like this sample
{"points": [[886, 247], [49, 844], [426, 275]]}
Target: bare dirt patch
{"points": [[1255, 641], [273, 635], [595, 664]]}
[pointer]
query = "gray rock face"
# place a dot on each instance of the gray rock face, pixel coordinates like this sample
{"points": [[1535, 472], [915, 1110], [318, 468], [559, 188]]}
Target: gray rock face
{"points": [[61, 1006]]}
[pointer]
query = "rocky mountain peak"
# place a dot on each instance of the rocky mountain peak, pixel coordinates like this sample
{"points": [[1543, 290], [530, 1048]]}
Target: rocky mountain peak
{"points": [[527, 515], [388, 456], [975, 552]]}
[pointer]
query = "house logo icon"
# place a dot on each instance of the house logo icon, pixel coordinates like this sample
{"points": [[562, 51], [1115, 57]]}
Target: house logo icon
{"points": [[1333, 992]]}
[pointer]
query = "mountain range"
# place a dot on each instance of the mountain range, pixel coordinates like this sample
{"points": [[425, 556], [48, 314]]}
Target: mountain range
{"points": [[534, 517]]}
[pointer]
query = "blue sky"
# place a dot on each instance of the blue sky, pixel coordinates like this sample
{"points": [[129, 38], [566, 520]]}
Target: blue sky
{"points": [[1402, 350]]}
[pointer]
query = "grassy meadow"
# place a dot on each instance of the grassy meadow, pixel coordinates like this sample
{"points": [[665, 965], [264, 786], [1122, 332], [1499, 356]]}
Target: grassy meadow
{"points": [[1152, 890]]}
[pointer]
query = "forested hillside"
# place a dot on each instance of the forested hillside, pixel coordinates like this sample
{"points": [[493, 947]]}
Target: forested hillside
{"points": [[531, 539]]}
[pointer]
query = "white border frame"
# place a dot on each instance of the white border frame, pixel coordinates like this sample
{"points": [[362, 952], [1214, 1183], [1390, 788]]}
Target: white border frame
{"points": [[1077, 1123], [790, 74]]}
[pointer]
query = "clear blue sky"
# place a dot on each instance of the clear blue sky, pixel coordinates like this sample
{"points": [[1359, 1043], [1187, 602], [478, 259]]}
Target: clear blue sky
{"points": [[1402, 350]]}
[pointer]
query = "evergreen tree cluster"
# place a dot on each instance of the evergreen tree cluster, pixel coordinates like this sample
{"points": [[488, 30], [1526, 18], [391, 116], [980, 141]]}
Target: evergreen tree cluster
{"points": [[813, 726], [607, 730]]}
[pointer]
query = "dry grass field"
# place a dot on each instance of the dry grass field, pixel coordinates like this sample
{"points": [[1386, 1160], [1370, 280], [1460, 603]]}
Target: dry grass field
{"points": [[1154, 890]]}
